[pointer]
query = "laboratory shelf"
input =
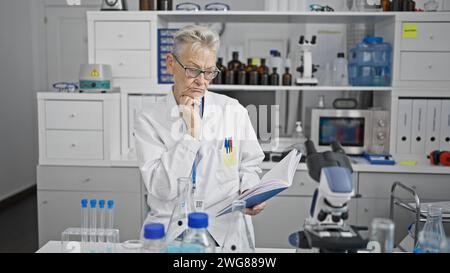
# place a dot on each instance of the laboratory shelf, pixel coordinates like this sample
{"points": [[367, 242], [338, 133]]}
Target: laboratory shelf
{"points": [[218, 88]]}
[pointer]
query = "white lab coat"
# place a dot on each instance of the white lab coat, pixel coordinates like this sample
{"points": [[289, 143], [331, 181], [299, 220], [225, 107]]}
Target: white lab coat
{"points": [[165, 152]]}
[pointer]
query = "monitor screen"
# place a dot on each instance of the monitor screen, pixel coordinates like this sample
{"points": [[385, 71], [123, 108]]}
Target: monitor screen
{"points": [[347, 131]]}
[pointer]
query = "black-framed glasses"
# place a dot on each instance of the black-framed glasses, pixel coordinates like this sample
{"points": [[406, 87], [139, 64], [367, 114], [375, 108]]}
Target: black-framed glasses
{"points": [[193, 72], [189, 6], [316, 7]]}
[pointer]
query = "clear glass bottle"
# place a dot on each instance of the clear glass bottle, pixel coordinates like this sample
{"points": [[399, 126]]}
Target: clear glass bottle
{"points": [[238, 238], [179, 218], [154, 238], [382, 235], [197, 238], [298, 136], [432, 234], [340, 70]]}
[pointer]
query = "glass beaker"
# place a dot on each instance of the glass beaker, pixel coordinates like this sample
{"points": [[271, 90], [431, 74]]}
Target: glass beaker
{"points": [[238, 238], [383, 234], [179, 218]]}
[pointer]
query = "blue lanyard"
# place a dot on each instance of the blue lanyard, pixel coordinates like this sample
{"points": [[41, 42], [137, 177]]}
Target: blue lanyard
{"points": [[194, 167]]}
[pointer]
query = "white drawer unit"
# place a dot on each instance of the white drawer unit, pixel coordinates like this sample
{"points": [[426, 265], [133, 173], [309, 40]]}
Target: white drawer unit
{"points": [[78, 128], [74, 144], [122, 35], [83, 115], [126, 63], [425, 66], [427, 186], [429, 36], [84, 179]]}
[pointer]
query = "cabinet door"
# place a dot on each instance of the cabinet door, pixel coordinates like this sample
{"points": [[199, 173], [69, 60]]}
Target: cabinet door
{"points": [[58, 210], [282, 217]]}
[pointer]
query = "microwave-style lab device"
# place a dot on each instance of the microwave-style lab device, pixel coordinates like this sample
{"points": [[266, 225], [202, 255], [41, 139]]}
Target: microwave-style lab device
{"points": [[358, 131]]}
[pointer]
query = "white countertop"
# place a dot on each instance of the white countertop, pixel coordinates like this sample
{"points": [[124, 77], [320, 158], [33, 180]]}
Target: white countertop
{"points": [[55, 247]]}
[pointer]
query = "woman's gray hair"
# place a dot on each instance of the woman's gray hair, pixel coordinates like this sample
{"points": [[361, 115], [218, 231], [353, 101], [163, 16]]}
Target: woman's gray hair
{"points": [[197, 37]]}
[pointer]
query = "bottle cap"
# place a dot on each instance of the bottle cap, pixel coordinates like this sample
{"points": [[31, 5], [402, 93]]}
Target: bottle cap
{"points": [[101, 204], [198, 220], [93, 203], [341, 55], [154, 231], [84, 203], [110, 204]]}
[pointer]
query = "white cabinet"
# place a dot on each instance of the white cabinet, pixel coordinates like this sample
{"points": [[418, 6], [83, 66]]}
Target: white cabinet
{"points": [[122, 35], [78, 129], [60, 190]]}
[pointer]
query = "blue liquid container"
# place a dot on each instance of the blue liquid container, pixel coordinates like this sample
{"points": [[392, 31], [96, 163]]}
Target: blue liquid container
{"points": [[370, 63]]}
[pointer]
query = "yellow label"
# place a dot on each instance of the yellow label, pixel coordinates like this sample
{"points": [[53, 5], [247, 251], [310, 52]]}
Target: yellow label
{"points": [[229, 159], [94, 73], [408, 162], [409, 31]]}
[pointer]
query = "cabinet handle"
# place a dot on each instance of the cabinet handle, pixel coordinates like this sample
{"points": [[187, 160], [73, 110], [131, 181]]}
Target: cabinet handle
{"points": [[73, 145], [431, 37], [86, 180], [73, 115], [121, 64], [45, 202], [302, 184], [120, 35], [430, 66], [366, 210]]}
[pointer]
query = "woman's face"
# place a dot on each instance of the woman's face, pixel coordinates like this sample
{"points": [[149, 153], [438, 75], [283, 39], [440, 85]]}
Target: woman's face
{"points": [[184, 85]]}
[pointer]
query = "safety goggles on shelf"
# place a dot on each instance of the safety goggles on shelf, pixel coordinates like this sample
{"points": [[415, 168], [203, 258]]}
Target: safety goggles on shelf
{"points": [[195, 7], [65, 86], [316, 7]]}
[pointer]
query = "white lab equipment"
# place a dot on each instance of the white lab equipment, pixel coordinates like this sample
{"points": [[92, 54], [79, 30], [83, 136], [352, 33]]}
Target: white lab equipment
{"points": [[298, 136], [238, 238], [197, 238], [340, 70], [154, 238], [179, 218], [307, 68]]}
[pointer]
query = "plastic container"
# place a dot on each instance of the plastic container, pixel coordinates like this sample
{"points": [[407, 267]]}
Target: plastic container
{"points": [[154, 238], [197, 238], [370, 63]]}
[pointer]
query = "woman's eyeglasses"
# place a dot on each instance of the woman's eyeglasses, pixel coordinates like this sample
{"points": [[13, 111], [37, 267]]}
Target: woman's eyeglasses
{"points": [[193, 72], [195, 7]]}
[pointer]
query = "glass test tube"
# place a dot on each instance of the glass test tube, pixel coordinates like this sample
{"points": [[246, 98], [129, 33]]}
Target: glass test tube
{"points": [[110, 226], [93, 227], [84, 223], [101, 231]]}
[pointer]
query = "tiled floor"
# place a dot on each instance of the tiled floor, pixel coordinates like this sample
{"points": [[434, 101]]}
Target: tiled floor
{"points": [[19, 227]]}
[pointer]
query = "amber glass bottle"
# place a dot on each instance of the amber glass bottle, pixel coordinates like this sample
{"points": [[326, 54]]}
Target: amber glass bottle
{"points": [[262, 70], [254, 75], [220, 79], [274, 77], [287, 77]]}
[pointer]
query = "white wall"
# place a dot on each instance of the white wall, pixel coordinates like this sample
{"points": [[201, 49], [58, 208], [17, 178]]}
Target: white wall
{"points": [[18, 133]]}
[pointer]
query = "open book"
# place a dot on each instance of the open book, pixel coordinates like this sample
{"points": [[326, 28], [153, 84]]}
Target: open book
{"points": [[273, 182]]}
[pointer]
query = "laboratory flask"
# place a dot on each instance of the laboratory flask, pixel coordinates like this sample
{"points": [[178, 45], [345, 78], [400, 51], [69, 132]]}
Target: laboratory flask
{"points": [[238, 238], [179, 218], [432, 234], [197, 238]]}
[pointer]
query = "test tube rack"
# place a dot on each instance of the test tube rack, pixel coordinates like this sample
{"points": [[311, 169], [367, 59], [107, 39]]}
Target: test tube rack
{"points": [[106, 241]]}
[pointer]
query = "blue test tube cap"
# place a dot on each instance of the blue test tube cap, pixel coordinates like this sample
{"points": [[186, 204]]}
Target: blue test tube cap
{"points": [[101, 204], [110, 204], [84, 203], [198, 220], [93, 203], [154, 231]]}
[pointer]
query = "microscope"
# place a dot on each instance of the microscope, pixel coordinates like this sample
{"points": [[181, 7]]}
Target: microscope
{"points": [[325, 228], [307, 68]]}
